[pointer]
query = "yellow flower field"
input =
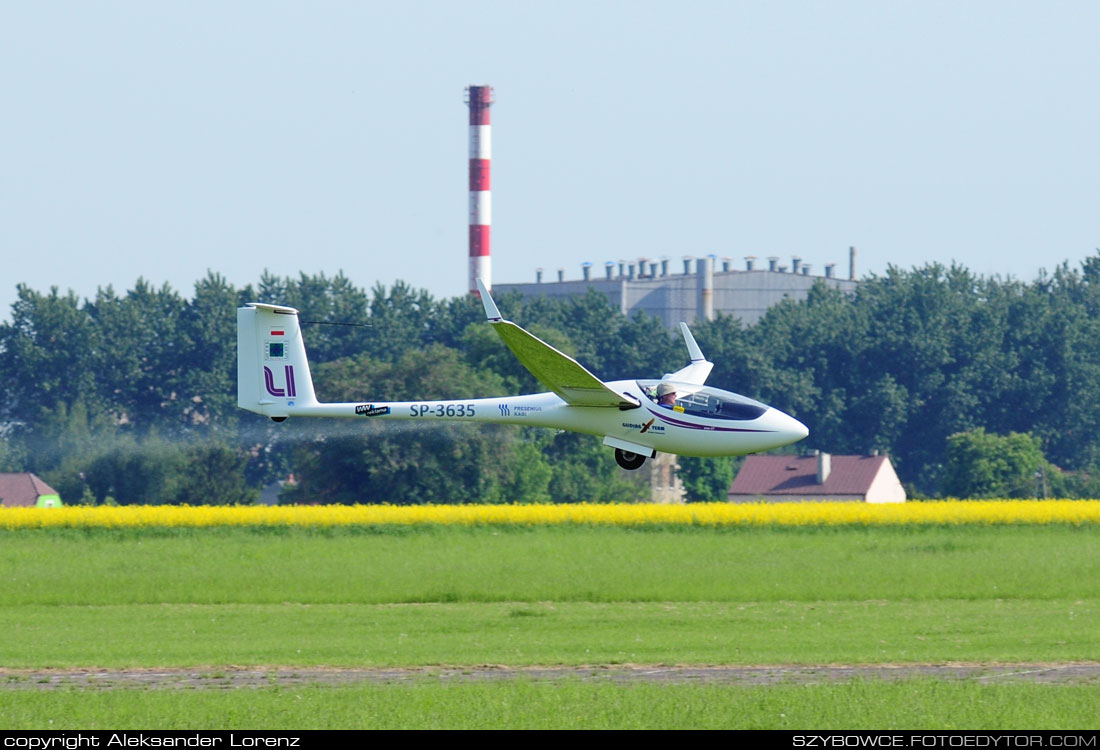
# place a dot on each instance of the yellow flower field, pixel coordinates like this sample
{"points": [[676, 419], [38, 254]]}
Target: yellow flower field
{"points": [[1075, 512]]}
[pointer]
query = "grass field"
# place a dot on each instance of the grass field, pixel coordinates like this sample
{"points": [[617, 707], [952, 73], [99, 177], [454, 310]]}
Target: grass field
{"points": [[909, 704], [555, 595]]}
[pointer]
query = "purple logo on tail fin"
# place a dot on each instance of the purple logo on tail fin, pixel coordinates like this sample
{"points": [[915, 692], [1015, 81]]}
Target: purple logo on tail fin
{"points": [[289, 390]]}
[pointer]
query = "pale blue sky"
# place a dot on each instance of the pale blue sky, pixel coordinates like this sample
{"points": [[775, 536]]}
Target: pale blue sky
{"points": [[164, 139]]}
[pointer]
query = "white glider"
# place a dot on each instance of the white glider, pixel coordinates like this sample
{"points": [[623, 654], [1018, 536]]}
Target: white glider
{"points": [[688, 418]]}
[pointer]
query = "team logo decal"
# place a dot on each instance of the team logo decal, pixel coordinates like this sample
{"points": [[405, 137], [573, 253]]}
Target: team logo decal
{"points": [[288, 390]]}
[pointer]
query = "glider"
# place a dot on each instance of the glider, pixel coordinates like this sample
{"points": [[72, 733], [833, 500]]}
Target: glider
{"points": [[674, 414]]}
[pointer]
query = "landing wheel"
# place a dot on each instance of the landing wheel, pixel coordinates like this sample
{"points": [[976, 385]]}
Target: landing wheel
{"points": [[627, 460]]}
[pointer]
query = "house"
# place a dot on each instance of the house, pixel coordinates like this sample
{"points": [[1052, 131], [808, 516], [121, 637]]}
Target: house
{"points": [[26, 490], [819, 477]]}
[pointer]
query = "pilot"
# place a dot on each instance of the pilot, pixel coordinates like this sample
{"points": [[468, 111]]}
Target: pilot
{"points": [[666, 395]]}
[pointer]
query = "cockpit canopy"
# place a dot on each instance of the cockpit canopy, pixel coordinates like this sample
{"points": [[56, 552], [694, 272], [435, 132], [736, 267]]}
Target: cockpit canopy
{"points": [[704, 401]]}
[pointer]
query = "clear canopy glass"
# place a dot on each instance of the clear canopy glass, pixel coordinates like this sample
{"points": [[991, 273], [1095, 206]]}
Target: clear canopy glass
{"points": [[704, 401]]}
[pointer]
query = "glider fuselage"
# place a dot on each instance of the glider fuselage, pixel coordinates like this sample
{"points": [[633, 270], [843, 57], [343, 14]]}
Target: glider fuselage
{"points": [[662, 428]]}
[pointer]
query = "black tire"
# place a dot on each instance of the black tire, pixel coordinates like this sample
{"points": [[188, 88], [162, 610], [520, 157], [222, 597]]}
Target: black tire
{"points": [[627, 460]]}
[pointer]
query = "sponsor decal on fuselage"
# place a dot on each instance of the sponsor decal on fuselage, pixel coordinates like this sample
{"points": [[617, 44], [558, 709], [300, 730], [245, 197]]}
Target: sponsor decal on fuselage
{"points": [[370, 410], [644, 427]]}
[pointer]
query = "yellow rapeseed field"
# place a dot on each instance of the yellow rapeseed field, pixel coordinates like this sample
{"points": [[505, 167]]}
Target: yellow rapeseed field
{"points": [[1075, 512]]}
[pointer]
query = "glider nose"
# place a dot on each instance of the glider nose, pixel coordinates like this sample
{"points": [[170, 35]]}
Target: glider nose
{"points": [[789, 429]]}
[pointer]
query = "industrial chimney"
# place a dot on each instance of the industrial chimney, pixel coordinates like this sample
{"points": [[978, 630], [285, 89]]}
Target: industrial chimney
{"points": [[479, 99]]}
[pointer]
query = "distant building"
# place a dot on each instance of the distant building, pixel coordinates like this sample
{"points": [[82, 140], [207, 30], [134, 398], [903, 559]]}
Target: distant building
{"points": [[700, 292], [269, 495], [665, 485], [26, 490], [857, 479]]}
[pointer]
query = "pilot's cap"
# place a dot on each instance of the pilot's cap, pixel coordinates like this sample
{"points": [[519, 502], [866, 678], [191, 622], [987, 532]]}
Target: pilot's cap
{"points": [[664, 389]]}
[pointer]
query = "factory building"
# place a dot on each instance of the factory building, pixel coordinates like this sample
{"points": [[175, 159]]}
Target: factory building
{"points": [[700, 290], [703, 288]]}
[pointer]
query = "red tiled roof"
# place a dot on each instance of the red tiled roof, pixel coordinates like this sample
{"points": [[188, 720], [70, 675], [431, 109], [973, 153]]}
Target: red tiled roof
{"points": [[797, 475], [22, 489]]}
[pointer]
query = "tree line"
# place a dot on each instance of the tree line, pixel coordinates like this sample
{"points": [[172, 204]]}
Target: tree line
{"points": [[131, 398]]}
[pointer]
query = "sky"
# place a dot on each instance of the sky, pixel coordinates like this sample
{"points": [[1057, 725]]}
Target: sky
{"points": [[166, 140]]}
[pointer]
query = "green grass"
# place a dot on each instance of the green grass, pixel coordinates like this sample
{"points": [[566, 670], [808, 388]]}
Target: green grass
{"points": [[823, 632], [908, 704], [548, 596], [585, 564], [389, 597]]}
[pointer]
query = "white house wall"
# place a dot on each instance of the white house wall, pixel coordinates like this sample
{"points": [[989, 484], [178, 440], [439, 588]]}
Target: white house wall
{"points": [[886, 487]]}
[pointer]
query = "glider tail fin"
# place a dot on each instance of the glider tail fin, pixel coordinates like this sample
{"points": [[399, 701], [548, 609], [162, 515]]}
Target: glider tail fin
{"points": [[272, 371], [698, 369]]}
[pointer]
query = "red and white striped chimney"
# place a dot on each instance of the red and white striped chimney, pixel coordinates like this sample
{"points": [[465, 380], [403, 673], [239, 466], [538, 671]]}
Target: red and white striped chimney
{"points": [[479, 99]]}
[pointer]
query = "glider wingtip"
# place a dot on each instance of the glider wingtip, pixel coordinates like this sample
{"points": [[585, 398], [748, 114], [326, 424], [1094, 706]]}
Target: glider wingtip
{"points": [[491, 311]]}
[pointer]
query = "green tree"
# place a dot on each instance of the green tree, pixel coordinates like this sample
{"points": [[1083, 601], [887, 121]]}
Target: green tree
{"points": [[400, 319], [584, 471], [141, 357], [213, 473], [707, 480], [981, 464], [11, 456], [334, 315], [63, 444], [208, 383], [46, 355], [136, 473]]}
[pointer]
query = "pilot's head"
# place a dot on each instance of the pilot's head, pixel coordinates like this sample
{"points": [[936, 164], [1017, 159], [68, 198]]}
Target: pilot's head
{"points": [[666, 394]]}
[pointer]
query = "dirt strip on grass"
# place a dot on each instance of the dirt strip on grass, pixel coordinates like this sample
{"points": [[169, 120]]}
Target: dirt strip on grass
{"points": [[261, 677]]}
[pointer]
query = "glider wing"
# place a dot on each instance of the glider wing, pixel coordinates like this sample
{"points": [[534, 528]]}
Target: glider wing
{"points": [[559, 372]]}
